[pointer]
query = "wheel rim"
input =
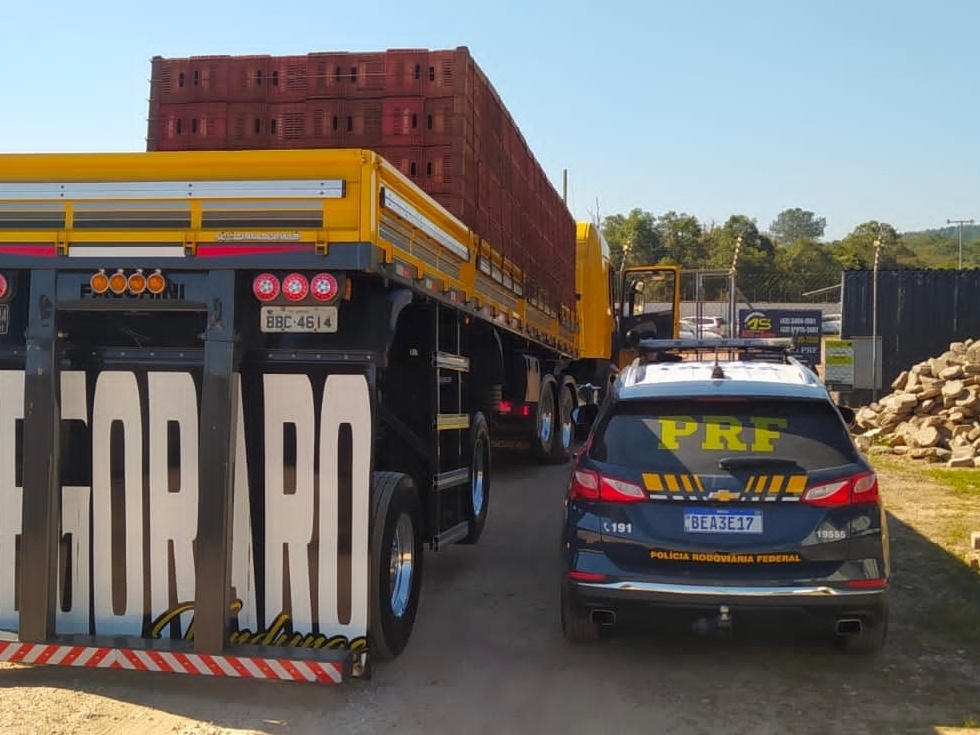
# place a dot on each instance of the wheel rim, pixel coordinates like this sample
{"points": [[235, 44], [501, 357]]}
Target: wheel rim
{"points": [[546, 415], [567, 429], [402, 565], [476, 486]]}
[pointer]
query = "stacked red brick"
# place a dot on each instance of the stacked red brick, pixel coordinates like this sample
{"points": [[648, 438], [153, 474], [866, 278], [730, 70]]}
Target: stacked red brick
{"points": [[433, 114]]}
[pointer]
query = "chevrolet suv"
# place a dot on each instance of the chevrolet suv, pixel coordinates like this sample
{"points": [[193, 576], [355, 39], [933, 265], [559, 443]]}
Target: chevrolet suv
{"points": [[719, 483]]}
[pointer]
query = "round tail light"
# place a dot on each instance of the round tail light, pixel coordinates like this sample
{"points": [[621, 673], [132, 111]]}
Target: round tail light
{"points": [[295, 287], [118, 282], [3, 286], [155, 282], [265, 287], [137, 282], [99, 282], [323, 286]]}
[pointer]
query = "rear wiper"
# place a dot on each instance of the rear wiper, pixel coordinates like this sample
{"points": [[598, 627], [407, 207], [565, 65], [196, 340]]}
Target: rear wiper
{"points": [[736, 463]]}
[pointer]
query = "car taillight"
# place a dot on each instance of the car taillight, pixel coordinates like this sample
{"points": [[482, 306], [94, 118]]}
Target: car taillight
{"points": [[589, 485], [3, 287], [265, 287], [858, 489]]}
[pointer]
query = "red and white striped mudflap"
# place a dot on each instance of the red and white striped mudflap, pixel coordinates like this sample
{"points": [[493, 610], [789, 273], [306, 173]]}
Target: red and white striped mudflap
{"points": [[243, 667]]}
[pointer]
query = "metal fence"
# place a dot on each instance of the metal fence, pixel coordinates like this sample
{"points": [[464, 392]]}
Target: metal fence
{"points": [[919, 313]]}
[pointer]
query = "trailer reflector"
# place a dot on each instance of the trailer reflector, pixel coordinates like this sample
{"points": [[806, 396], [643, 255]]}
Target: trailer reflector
{"points": [[155, 282], [173, 662], [137, 282], [118, 282], [99, 282]]}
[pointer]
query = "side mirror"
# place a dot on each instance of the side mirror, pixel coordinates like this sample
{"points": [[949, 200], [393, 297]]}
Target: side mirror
{"points": [[585, 415]]}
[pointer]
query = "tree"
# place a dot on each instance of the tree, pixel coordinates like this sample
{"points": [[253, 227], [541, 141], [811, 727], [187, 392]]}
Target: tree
{"points": [[791, 225], [633, 238], [683, 239], [857, 250]]}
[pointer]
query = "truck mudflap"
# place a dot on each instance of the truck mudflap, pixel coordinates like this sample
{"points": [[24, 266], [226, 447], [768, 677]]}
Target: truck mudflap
{"points": [[194, 503]]}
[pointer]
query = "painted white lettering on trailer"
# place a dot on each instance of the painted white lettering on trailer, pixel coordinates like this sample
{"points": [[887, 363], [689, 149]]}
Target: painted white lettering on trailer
{"points": [[11, 494], [117, 403], [288, 500], [75, 504], [171, 399]]}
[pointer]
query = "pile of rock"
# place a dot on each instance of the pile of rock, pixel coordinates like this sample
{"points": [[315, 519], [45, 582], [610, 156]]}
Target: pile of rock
{"points": [[934, 413]]}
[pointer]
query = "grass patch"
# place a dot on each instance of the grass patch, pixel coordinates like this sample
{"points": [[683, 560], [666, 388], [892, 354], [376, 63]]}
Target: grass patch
{"points": [[962, 483], [932, 511]]}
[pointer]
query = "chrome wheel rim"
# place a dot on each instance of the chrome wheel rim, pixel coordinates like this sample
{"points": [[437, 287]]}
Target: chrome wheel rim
{"points": [[546, 415], [401, 567], [476, 482]]}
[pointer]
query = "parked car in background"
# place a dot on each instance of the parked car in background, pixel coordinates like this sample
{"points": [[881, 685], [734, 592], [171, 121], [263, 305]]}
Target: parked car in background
{"points": [[831, 324], [706, 324]]}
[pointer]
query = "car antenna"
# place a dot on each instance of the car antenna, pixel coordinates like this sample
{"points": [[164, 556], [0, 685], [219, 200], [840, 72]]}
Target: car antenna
{"points": [[717, 373]]}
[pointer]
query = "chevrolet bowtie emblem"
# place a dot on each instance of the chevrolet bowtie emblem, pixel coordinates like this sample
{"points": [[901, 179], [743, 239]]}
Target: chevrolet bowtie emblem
{"points": [[724, 495]]}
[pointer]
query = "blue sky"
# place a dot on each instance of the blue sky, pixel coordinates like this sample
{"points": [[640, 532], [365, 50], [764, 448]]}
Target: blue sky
{"points": [[853, 109]]}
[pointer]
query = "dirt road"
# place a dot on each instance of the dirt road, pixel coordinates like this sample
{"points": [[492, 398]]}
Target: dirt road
{"points": [[488, 657]]}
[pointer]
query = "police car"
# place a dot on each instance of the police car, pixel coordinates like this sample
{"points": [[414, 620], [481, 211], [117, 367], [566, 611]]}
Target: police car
{"points": [[719, 483]]}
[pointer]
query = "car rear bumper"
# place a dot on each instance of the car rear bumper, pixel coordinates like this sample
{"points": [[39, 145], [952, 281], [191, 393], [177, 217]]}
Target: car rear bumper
{"points": [[639, 601]]}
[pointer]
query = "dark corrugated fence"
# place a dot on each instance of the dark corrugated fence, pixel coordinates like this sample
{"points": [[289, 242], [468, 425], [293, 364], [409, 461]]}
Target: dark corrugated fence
{"points": [[919, 314]]}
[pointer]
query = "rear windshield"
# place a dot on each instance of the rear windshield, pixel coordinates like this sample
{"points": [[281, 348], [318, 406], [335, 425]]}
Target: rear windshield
{"points": [[695, 436]]}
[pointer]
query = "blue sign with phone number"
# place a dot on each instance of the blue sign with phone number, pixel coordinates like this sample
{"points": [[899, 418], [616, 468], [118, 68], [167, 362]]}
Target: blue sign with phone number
{"points": [[802, 325]]}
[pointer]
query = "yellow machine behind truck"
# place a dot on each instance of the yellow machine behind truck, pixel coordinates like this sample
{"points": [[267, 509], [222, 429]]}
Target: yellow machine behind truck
{"points": [[240, 394]]}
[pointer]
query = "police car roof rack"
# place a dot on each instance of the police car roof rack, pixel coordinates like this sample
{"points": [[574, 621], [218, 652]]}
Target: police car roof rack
{"points": [[737, 348]]}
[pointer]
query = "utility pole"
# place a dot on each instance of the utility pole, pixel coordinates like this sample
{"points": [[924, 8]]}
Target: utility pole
{"points": [[874, 321], [960, 222]]}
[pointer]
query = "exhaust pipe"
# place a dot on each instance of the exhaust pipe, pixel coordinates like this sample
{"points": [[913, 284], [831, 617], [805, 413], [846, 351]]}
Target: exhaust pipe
{"points": [[849, 626], [603, 617]]}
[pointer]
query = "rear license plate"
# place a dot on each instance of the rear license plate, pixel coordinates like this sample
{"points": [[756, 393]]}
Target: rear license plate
{"points": [[299, 319], [722, 520]]}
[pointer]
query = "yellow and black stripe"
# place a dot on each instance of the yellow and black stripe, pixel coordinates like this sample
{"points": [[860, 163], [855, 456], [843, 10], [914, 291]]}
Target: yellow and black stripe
{"points": [[757, 488]]}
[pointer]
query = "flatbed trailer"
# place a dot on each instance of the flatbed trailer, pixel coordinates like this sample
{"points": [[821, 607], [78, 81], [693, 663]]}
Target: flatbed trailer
{"points": [[241, 393]]}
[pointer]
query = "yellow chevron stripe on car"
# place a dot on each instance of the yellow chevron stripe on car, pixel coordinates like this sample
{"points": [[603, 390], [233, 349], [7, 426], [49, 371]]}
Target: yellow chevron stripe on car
{"points": [[653, 482], [796, 485]]}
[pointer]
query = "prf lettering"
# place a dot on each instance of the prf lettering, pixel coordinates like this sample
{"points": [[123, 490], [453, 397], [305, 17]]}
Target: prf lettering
{"points": [[722, 433]]}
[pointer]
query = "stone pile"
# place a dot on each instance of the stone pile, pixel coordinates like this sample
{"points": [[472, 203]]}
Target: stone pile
{"points": [[933, 413]]}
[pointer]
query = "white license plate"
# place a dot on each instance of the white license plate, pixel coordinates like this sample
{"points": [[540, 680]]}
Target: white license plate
{"points": [[298, 319], [718, 520]]}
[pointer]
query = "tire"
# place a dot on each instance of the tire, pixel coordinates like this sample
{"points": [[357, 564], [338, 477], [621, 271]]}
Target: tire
{"points": [[575, 624], [564, 428], [395, 563], [870, 640], [478, 498], [544, 421]]}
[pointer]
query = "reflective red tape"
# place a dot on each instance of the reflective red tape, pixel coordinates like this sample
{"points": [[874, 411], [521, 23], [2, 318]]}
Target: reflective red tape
{"points": [[246, 667]]}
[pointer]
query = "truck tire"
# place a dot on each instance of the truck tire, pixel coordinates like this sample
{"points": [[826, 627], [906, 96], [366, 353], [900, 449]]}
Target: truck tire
{"points": [[544, 421], [576, 625], [478, 498], [395, 563], [564, 428]]}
